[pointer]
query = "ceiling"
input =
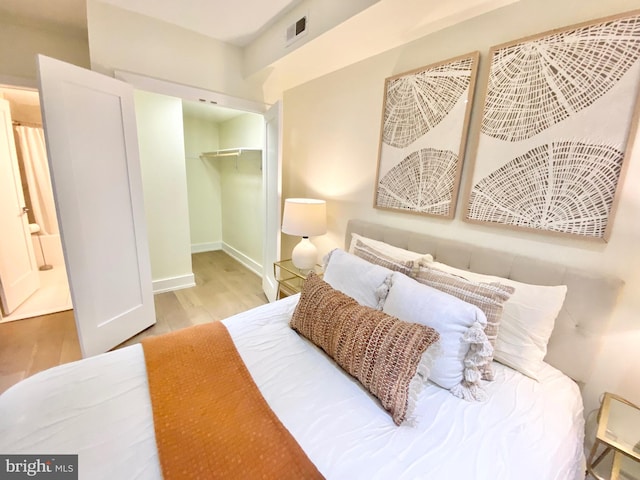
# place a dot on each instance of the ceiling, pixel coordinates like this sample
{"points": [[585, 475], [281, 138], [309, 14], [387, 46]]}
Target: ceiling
{"points": [[237, 22]]}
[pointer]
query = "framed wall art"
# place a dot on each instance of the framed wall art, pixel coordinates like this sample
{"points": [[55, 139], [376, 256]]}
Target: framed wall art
{"points": [[559, 116], [423, 135]]}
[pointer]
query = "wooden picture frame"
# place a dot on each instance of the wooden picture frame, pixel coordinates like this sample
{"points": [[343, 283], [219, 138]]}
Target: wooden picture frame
{"points": [[425, 120], [559, 118]]}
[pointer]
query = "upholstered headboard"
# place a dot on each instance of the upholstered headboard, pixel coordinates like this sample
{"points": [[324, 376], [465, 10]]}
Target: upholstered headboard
{"points": [[587, 308]]}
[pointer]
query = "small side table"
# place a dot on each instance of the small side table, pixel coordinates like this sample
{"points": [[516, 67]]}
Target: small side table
{"points": [[290, 278], [619, 434]]}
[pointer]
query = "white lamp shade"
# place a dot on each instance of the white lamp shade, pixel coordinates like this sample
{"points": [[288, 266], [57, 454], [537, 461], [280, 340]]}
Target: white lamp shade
{"points": [[304, 217]]}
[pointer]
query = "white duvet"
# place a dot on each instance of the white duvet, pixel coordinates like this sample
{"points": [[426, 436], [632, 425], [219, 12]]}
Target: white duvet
{"points": [[99, 408]]}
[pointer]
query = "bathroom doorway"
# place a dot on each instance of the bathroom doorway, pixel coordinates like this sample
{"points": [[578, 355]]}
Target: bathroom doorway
{"points": [[53, 293]]}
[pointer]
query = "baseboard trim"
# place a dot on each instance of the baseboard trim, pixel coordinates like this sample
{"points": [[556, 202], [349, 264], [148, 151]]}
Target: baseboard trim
{"points": [[186, 281], [252, 265], [206, 247], [173, 283]]}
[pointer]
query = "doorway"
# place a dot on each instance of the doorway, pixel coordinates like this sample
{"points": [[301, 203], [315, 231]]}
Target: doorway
{"points": [[270, 126], [53, 294], [223, 154]]}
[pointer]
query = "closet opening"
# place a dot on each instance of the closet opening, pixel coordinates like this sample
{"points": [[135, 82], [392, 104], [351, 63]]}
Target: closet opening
{"points": [[211, 170], [223, 155]]}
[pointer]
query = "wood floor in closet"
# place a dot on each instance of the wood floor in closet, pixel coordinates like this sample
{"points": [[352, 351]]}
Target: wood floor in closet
{"points": [[224, 287]]}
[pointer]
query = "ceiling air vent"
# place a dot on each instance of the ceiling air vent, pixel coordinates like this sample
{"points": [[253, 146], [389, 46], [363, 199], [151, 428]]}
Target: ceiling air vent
{"points": [[296, 30]]}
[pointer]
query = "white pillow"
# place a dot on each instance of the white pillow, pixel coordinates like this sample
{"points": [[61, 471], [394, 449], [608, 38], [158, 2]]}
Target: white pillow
{"points": [[463, 343], [396, 253], [365, 282], [528, 317]]}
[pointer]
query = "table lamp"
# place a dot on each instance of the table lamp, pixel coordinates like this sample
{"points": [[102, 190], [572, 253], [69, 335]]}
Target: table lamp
{"points": [[304, 217]]}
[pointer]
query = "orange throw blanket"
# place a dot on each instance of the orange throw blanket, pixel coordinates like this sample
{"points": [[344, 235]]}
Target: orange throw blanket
{"points": [[210, 419]]}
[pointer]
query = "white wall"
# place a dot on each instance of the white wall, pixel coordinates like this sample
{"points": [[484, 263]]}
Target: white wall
{"points": [[245, 130], [241, 186], [331, 136], [123, 40], [21, 41], [242, 217], [203, 184], [164, 179]]}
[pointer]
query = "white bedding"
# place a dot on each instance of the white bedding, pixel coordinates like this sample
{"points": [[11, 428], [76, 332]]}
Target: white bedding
{"points": [[99, 408]]}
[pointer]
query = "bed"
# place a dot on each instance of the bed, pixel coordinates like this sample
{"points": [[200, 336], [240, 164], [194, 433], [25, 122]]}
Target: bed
{"points": [[99, 407]]}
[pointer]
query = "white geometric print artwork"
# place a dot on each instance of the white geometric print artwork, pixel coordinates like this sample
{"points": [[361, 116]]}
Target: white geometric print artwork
{"points": [[534, 85], [555, 129], [564, 187], [422, 182], [423, 133], [416, 103]]}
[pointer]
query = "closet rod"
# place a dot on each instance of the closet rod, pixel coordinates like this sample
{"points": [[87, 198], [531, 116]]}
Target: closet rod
{"points": [[222, 153], [230, 154]]}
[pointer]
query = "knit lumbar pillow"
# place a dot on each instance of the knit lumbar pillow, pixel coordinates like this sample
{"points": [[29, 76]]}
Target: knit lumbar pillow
{"points": [[391, 358]]}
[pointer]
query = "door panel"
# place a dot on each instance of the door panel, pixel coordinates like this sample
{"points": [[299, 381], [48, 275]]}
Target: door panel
{"points": [[272, 188], [90, 128], [18, 267]]}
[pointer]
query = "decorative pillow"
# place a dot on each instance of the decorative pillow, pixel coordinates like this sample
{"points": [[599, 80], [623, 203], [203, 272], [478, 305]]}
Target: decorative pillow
{"points": [[463, 343], [488, 297], [389, 357], [371, 255], [396, 253], [527, 321], [357, 278]]}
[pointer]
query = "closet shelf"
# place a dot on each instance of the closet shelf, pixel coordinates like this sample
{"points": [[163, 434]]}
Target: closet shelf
{"points": [[228, 152]]}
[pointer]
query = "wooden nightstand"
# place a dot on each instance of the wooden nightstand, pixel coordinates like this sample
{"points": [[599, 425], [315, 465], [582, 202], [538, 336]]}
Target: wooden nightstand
{"points": [[619, 434], [290, 278]]}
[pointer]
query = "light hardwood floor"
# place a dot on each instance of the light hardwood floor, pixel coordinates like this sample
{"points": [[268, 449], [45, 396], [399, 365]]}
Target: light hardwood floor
{"points": [[223, 288]]}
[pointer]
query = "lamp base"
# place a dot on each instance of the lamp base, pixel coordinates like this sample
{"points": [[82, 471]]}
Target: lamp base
{"points": [[304, 255]]}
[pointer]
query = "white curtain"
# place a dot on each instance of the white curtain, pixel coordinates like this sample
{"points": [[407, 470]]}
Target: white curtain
{"points": [[34, 156]]}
